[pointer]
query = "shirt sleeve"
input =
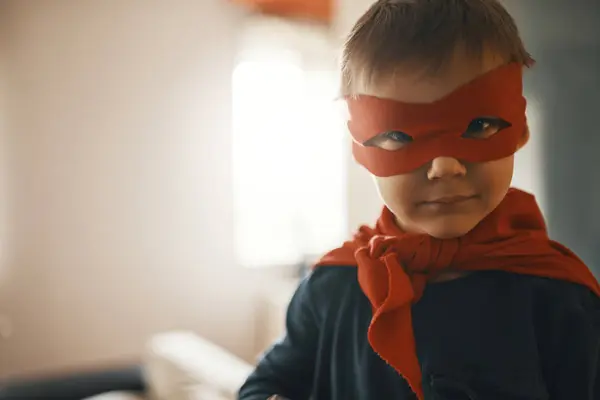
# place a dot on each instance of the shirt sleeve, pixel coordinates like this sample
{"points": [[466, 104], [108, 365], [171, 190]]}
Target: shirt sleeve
{"points": [[287, 368], [571, 344]]}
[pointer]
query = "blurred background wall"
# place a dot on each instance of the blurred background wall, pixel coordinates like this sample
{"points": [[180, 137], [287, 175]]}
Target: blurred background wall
{"points": [[119, 154], [564, 37]]}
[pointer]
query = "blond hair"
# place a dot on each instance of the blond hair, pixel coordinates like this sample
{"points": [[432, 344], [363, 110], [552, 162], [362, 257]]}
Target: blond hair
{"points": [[397, 32]]}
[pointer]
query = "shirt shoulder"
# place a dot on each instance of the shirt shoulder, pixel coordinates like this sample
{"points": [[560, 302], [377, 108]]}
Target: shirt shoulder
{"points": [[329, 286], [567, 325], [564, 297]]}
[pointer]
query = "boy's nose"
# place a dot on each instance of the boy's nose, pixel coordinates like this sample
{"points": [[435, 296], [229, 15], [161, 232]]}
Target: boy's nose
{"points": [[442, 167]]}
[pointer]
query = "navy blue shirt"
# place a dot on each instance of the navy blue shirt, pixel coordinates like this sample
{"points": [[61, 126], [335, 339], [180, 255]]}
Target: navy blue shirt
{"points": [[487, 336]]}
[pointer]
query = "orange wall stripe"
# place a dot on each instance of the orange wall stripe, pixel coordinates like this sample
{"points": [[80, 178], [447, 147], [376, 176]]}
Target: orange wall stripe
{"points": [[315, 10]]}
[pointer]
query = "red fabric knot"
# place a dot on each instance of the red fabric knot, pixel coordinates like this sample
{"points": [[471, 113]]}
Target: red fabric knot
{"points": [[381, 276], [403, 264]]}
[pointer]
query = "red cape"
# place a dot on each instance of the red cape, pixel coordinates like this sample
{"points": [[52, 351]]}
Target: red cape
{"points": [[394, 267]]}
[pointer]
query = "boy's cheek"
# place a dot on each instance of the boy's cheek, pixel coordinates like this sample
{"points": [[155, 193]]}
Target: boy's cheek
{"points": [[398, 192]]}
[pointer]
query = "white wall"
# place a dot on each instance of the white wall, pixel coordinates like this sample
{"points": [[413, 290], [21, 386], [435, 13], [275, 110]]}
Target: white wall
{"points": [[364, 205], [120, 154], [3, 123], [5, 324]]}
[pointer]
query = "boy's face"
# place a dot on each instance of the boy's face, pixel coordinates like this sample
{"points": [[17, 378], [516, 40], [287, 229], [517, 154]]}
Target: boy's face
{"points": [[446, 197]]}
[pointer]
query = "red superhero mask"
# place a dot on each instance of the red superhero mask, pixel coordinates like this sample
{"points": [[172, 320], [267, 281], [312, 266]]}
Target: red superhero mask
{"points": [[439, 129]]}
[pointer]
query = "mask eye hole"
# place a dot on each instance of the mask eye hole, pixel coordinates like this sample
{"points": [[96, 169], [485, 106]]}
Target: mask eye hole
{"points": [[390, 140], [485, 127]]}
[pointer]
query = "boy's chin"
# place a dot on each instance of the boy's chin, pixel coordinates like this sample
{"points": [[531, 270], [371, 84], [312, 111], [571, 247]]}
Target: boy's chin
{"points": [[450, 227]]}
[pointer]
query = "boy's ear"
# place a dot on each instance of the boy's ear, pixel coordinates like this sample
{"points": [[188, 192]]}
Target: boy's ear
{"points": [[524, 138]]}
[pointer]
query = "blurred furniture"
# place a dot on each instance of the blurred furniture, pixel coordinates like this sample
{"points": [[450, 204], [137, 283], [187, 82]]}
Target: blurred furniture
{"points": [[76, 386], [176, 366], [183, 366]]}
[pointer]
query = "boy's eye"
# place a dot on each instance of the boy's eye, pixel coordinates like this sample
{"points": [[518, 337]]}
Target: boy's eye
{"points": [[398, 136], [391, 140], [485, 127]]}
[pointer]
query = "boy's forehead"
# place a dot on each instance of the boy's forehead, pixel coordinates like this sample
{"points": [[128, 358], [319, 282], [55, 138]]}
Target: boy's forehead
{"points": [[416, 84]]}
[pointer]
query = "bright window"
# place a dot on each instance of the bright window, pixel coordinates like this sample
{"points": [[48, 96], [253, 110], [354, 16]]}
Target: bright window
{"points": [[288, 154]]}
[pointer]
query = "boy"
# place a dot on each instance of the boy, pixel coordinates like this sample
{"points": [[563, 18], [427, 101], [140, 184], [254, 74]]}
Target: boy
{"points": [[457, 293]]}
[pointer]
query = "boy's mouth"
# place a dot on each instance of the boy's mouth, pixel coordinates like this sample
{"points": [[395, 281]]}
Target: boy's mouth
{"points": [[449, 200]]}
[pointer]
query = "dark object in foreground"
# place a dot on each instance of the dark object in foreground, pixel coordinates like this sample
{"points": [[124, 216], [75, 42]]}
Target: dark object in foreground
{"points": [[76, 386]]}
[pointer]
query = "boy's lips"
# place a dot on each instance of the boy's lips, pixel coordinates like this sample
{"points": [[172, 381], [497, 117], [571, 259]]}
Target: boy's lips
{"points": [[449, 200]]}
